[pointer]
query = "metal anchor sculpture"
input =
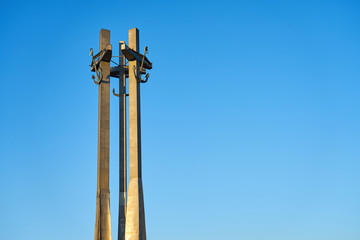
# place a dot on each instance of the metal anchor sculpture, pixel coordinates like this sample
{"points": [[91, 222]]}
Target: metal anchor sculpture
{"points": [[133, 55], [103, 55], [118, 95], [141, 68], [145, 63]]}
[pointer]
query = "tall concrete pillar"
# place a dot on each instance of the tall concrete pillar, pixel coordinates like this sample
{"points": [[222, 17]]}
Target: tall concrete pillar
{"points": [[122, 146], [135, 213], [103, 220]]}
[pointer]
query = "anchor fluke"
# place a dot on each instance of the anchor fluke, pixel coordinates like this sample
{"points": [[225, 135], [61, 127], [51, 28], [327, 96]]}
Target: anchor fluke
{"points": [[115, 94]]}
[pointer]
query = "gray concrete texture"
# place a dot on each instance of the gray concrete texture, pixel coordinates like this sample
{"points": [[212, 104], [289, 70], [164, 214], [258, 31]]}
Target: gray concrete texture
{"points": [[103, 219], [122, 145], [135, 212]]}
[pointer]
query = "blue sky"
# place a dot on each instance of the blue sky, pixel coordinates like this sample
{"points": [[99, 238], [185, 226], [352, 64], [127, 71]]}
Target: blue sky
{"points": [[250, 118]]}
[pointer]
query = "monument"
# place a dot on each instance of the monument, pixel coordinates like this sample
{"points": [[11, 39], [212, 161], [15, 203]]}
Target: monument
{"points": [[131, 224]]}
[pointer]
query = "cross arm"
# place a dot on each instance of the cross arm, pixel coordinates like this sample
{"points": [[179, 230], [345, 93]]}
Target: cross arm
{"points": [[104, 55], [133, 55]]}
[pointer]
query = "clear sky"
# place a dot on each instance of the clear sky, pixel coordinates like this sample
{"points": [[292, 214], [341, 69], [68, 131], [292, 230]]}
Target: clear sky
{"points": [[250, 118]]}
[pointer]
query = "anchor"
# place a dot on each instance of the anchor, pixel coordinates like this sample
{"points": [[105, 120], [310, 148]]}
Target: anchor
{"points": [[133, 55], [145, 63], [103, 55], [142, 70]]}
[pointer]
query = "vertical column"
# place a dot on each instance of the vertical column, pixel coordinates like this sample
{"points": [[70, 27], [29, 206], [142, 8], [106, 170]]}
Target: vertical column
{"points": [[103, 220], [135, 215], [122, 145]]}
